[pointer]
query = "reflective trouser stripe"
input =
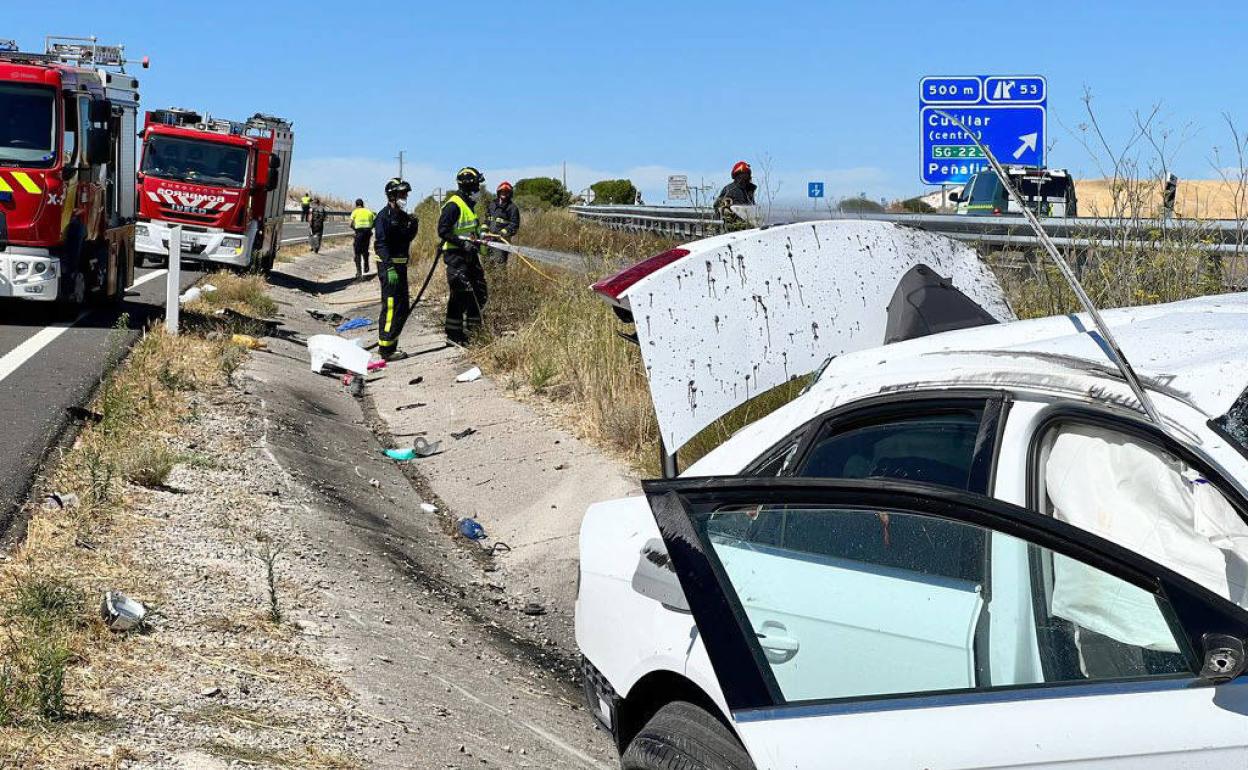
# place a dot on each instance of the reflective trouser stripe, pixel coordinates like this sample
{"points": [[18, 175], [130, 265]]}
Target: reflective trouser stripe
{"points": [[389, 314]]}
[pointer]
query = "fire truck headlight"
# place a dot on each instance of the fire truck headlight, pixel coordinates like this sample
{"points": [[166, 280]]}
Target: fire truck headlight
{"points": [[140, 230], [40, 267], [21, 267]]}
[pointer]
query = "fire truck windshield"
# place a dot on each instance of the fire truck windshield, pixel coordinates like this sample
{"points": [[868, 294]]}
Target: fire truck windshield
{"points": [[27, 125], [195, 161]]}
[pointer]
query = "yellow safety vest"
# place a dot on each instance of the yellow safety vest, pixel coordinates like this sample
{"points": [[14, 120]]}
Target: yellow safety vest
{"points": [[468, 225], [362, 219], [306, 200]]}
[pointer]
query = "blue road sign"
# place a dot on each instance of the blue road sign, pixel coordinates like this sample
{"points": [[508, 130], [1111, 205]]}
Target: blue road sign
{"points": [[814, 189], [1008, 113]]}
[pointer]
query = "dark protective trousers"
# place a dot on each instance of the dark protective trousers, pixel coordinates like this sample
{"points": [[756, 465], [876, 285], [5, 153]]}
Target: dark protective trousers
{"points": [[466, 280], [395, 305], [362, 238]]}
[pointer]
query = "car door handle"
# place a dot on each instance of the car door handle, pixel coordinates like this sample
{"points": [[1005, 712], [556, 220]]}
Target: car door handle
{"points": [[777, 646]]}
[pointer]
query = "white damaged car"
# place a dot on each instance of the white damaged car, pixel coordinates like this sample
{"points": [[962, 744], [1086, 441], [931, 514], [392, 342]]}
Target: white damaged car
{"points": [[969, 547]]}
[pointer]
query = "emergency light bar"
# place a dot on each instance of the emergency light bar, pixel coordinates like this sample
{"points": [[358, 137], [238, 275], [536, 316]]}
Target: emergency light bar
{"points": [[85, 51]]}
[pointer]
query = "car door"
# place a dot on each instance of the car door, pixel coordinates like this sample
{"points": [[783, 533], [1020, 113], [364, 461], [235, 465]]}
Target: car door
{"points": [[1145, 673], [935, 596]]}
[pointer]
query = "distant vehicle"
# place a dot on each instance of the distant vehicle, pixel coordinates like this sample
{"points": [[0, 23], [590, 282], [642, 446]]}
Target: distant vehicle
{"points": [[67, 123], [964, 545], [1048, 193], [223, 181]]}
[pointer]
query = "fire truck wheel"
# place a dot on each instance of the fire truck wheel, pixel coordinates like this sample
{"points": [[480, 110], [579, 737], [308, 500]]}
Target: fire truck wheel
{"points": [[72, 294]]}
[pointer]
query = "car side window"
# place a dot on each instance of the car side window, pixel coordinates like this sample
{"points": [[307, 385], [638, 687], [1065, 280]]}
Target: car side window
{"points": [[1138, 494], [873, 621], [932, 446]]}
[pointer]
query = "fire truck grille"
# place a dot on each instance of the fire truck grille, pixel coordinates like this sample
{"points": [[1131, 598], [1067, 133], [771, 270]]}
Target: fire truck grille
{"points": [[187, 216]]}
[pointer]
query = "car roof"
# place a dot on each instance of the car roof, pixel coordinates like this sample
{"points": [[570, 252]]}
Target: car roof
{"points": [[1194, 352]]}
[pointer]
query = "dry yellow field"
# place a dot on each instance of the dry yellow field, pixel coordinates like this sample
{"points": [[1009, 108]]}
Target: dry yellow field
{"points": [[1196, 199]]}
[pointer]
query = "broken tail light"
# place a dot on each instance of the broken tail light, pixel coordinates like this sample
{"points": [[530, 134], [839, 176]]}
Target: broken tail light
{"points": [[615, 285]]}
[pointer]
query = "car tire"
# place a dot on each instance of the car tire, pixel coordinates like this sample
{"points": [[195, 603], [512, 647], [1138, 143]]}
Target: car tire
{"points": [[682, 736]]}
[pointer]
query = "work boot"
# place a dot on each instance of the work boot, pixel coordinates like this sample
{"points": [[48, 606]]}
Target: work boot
{"points": [[394, 355]]}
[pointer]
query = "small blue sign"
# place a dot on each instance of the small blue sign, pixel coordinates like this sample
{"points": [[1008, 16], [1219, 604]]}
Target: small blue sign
{"points": [[814, 189], [1009, 114]]}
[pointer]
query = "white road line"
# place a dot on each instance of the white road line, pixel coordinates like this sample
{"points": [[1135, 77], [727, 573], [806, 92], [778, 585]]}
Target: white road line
{"points": [[12, 361]]}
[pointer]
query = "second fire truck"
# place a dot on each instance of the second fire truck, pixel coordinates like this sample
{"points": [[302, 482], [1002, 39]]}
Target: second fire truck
{"points": [[223, 181]]}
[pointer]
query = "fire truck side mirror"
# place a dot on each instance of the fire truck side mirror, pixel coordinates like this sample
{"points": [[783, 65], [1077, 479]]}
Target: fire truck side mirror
{"points": [[275, 173], [101, 111], [99, 146]]}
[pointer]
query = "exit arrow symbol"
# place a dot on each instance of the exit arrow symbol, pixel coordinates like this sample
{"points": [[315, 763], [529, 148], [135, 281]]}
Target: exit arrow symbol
{"points": [[1028, 144]]}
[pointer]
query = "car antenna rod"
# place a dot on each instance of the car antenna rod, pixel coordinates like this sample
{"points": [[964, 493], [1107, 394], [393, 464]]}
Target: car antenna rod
{"points": [[1115, 352]]}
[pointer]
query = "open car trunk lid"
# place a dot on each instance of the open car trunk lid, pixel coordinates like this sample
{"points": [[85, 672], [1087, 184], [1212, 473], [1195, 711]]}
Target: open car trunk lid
{"points": [[724, 319]]}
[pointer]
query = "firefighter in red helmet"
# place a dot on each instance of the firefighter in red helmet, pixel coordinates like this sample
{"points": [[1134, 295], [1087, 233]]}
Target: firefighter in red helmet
{"points": [[738, 192], [502, 218]]}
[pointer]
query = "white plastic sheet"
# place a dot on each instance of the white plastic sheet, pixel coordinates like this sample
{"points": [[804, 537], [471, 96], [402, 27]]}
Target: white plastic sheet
{"points": [[330, 349], [1148, 501]]}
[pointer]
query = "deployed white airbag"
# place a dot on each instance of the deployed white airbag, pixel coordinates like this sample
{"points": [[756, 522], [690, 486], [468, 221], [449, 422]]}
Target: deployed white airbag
{"points": [[1148, 501]]}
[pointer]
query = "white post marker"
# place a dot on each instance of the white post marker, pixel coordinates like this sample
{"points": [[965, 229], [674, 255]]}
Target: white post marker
{"points": [[173, 280]]}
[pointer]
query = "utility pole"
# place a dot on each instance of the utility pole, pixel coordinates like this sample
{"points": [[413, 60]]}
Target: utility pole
{"points": [[565, 175], [401, 163]]}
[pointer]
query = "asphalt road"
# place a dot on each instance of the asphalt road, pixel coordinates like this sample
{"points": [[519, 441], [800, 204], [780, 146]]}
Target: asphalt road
{"points": [[47, 366]]}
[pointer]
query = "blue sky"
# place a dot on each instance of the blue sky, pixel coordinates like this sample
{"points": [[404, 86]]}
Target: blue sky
{"points": [[825, 90]]}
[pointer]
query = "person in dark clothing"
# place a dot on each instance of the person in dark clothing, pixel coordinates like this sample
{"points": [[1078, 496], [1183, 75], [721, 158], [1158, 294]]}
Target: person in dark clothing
{"points": [[738, 192], [362, 219], [502, 218], [459, 233], [316, 225], [394, 229]]}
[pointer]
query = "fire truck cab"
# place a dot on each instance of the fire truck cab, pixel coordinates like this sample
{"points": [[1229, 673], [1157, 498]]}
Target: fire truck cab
{"points": [[67, 205], [223, 181]]}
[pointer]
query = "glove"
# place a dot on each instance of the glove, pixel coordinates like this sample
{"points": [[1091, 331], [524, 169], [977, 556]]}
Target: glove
{"points": [[392, 276]]}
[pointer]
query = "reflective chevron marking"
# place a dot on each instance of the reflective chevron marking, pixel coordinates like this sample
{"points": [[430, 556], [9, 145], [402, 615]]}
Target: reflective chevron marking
{"points": [[26, 182]]}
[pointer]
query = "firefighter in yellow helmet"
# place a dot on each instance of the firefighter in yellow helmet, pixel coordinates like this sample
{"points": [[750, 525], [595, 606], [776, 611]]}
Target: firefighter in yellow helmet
{"points": [[459, 234]]}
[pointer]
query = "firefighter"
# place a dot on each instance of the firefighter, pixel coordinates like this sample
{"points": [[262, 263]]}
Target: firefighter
{"points": [[394, 229], [362, 224], [502, 218], [316, 225], [738, 192], [306, 204], [459, 233]]}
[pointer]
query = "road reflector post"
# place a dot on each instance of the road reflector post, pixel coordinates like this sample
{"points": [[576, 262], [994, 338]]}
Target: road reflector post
{"points": [[173, 280]]}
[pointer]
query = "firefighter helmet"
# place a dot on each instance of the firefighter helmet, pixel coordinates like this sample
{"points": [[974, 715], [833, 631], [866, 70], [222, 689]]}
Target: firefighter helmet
{"points": [[469, 179], [397, 188]]}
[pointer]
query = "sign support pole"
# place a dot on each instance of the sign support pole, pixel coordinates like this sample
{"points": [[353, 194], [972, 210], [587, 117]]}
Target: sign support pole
{"points": [[173, 281]]}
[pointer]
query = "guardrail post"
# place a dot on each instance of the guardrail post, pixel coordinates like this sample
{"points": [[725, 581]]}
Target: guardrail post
{"points": [[173, 280]]}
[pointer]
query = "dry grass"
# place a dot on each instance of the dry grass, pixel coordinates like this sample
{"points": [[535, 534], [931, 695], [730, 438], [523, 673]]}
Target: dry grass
{"points": [[1195, 198], [247, 294], [53, 648]]}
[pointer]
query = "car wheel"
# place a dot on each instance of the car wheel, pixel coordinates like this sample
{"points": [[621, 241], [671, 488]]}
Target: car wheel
{"points": [[682, 736]]}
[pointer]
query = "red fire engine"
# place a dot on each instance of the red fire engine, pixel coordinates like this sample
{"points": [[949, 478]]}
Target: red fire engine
{"points": [[223, 181], [67, 123]]}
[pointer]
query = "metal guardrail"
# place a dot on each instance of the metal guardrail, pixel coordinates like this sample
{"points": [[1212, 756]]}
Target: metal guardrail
{"points": [[1206, 235]]}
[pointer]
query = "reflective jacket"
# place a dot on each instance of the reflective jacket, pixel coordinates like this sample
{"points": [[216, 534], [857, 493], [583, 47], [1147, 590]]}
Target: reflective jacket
{"points": [[457, 220], [362, 219]]}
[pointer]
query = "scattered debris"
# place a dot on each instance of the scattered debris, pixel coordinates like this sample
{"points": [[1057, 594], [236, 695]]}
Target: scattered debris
{"points": [[401, 455], [471, 529], [471, 375], [84, 415], [465, 433], [415, 380], [428, 507], [323, 315], [426, 448], [415, 405], [499, 547], [375, 365], [331, 349], [356, 386], [56, 501], [561, 466], [247, 341], [534, 608], [121, 613], [211, 692], [374, 483], [354, 323]]}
